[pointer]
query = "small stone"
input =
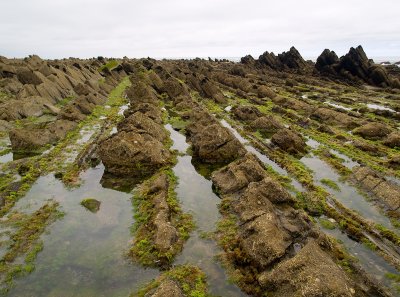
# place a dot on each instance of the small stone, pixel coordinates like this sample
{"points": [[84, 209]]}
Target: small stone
{"points": [[91, 204]]}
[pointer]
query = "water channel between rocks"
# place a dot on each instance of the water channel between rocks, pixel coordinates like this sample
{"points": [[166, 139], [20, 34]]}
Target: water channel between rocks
{"points": [[196, 196], [347, 194], [84, 253], [370, 261]]}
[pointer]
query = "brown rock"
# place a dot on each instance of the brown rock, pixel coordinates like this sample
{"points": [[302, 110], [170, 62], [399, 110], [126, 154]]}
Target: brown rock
{"points": [[130, 153], [372, 131], [393, 140], [27, 76], [266, 124], [246, 113], [140, 123], [331, 117], [310, 273], [289, 141], [238, 174], [168, 288], [216, 144]]}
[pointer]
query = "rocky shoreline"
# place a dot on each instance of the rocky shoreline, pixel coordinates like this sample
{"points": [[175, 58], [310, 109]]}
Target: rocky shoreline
{"points": [[63, 116]]}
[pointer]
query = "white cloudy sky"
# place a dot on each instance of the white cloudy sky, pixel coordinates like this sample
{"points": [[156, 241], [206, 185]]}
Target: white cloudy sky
{"points": [[187, 28]]}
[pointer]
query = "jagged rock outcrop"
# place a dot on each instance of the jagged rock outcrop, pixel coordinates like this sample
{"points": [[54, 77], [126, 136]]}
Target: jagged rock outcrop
{"points": [[326, 60], [354, 66], [32, 139], [286, 61]]}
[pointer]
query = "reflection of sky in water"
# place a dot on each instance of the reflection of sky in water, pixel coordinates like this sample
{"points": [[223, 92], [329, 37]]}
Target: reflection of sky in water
{"points": [[348, 195], [337, 105], [264, 159], [379, 107], [83, 252], [371, 262], [197, 198]]}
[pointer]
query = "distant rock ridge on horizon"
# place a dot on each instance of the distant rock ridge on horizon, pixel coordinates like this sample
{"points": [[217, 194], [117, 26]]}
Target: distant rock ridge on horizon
{"points": [[354, 67], [291, 60]]}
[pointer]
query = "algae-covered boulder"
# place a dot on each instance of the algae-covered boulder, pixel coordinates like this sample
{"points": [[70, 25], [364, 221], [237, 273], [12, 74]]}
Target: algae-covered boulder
{"points": [[238, 174], [289, 141], [266, 124], [216, 144], [179, 281], [372, 131], [140, 123], [91, 204], [392, 140], [246, 113], [130, 153], [310, 273], [168, 288]]}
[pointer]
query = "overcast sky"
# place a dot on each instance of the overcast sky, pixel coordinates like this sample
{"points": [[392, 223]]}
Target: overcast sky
{"points": [[186, 28]]}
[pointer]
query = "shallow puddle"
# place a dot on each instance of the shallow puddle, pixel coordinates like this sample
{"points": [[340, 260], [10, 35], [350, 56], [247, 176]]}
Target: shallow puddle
{"points": [[6, 158], [337, 106], [371, 262], [347, 194], [84, 253], [380, 107]]}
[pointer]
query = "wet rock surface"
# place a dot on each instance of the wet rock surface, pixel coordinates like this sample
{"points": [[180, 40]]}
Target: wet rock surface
{"points": [[310, 273]]}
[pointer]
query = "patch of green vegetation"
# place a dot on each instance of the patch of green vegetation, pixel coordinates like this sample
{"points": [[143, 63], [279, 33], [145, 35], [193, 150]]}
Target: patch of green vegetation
{"points": [[177, 123], [25, 241], [146, 204], [369, 244], [212, 106], [65, 101], [327, 224], [330, 183], [190, 279], [110, 65]]}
